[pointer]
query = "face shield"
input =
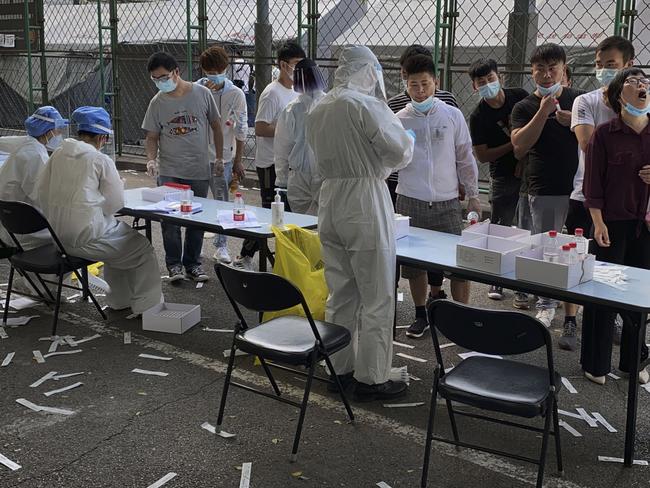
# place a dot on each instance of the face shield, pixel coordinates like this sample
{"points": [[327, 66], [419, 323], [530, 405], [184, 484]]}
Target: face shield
{"points": [[360, 70], [380, 89], [308, 77]]}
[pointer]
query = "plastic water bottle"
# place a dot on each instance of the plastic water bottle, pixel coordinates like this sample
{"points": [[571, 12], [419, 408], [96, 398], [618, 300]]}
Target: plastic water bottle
{"points": [[472, 217], [574, 253], [581, 243], [565, 256], [239, 211], [551, 251], [186, 203]]}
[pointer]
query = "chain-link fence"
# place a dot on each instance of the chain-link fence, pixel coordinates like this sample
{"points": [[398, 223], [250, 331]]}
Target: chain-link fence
{"points": [[95, 52]]}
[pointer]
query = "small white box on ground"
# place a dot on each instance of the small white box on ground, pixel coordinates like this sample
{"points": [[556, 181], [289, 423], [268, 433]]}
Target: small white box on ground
{"points": [[486, 228], [488, 253], [173, 318], [530, 266], [402, 226]]}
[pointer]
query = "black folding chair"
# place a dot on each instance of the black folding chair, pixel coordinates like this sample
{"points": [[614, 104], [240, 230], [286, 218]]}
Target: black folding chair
{"points": [[19, 218], [497, 385], [289, 340]]}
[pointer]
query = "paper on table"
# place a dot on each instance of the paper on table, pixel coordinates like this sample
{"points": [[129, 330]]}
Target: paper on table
{"points": [[163, 480], [63, 353], [569, 386], [151, 356], [145, 371], [9, 463], [39, 382], [607, 459], [573, 432], [7, 359], [224, 218], [470, 354], [61, 390], [167, 207], [245, 475], [406, 356], [211, 428]]}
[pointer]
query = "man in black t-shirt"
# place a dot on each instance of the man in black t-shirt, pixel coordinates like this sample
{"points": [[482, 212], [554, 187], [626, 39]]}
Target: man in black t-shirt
{"points": [[490, 127], [541, 129]]}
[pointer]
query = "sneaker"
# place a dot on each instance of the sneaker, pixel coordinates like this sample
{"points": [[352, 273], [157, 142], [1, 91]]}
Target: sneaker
{"points": [[382, 391], [521, 301], [417, 328], [244, 262], [495, 293], [196, 273], [618, 329], [546, 316], [568, 339], [430, 298], [347, 382], [175, 273], [644, 376], [221, 255], [599, 380]]}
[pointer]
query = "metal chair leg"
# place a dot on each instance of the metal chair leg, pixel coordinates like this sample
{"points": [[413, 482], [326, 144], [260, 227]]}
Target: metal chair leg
{"points": [[9, 285], [344, 397], [303, 407], [226, 384], [556, 428], [83, 279], [542, 457], [84, 284], [452, 419], [269, 375], [57, 304], [432, 414]]}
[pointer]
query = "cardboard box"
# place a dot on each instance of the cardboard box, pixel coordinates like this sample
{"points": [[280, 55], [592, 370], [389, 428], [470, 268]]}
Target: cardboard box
{"points": [[530, 266], [173, 318], [488, 253], [402, 226], [486, 228]]}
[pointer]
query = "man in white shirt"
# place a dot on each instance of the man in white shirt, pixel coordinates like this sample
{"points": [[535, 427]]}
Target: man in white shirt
{"points": [[589, 111], [427, 189], [231, 103], [273, 100]]}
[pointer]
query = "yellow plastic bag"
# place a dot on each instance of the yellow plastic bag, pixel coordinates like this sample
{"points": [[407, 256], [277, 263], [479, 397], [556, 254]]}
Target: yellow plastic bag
{"points": [[298, 258]]}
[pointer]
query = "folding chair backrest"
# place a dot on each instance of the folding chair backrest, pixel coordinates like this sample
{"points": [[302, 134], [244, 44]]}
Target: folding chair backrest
{"points": [[488, 331], [261, 292], [21, 218]]}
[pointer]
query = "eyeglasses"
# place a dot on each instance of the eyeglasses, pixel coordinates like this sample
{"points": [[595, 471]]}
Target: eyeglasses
{"points": [[163, 77], [637, 81]]}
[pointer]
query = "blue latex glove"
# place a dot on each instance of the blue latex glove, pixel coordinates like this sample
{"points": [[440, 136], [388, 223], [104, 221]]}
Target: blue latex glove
{"points": [[411, 133]]}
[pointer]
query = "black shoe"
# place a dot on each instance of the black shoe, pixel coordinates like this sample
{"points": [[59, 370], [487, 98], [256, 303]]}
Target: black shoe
{"points": [[568, 340], [196, 273], [175, 273], [383, 391], [441, 296], [418, 328], [347, 382]]}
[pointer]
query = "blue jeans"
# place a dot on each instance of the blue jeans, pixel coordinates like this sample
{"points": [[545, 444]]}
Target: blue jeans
{"points": [[220, 186], [176, 253]]}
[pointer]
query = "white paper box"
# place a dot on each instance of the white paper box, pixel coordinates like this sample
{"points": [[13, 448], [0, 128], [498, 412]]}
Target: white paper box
{"points": [[530, 266], [486, 228], [174, 318], [161, 193], [402, 226], [490, 254]]}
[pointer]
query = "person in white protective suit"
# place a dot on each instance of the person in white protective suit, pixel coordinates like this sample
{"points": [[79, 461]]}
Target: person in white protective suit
{"points": [[27, 157], [357, 142], [79, 192], [295, 167]]}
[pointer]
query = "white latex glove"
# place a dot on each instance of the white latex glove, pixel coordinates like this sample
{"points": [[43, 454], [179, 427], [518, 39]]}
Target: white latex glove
{"points": [[152, 168]]}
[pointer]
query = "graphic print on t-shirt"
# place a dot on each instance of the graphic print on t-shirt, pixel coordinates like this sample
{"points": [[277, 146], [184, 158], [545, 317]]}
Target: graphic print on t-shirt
{"points": [[183, 124]]}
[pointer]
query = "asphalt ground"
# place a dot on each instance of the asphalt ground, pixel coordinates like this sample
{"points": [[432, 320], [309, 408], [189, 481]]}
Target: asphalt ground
{"points": [[130, 430]]}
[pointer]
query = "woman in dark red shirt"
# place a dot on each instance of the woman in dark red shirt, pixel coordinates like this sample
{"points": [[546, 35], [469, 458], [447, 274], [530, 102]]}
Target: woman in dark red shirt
{"points": [[616, 189]]}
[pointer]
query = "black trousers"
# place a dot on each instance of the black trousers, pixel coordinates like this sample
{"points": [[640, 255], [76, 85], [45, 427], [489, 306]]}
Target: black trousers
{"points": [[630, 246], [266, 177], [578, 217]]}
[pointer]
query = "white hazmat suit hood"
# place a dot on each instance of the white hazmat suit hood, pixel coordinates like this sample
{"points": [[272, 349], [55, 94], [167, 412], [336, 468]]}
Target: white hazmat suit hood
{"points": [[357, 142]]}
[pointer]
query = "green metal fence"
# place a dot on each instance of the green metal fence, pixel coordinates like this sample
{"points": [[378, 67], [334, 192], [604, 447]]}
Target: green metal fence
{"points": [[95, 51]]}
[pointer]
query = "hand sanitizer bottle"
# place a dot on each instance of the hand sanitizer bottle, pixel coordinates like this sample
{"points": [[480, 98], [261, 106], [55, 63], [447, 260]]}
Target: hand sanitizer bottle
{"points": [[277, 209]]}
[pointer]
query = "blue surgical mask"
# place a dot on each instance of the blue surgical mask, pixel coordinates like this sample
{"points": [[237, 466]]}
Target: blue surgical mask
{"points": [[491, 90], [606, 75], [217, 79], [54, 142], [550, 91], [634, 111], [423, 106], [166, 86]]}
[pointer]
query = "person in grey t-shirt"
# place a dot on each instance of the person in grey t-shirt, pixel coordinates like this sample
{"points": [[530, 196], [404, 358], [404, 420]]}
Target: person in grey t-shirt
{"points": [[178, 122]]}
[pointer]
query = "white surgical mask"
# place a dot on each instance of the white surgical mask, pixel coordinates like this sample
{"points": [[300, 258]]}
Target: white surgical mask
{"points": [[54, 142], [491, 90], [605, 75], [550, 91]]}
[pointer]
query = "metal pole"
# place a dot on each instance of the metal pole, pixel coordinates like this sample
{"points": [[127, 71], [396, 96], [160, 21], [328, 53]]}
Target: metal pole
{"points": [[203, 25], [41, 41], [263, 47], [100, 43], [618, 21], [522, 38], [313, 38], [28, 47], [117, 101], [189, 39], [436, 42], [299, 15], [450, 23]]}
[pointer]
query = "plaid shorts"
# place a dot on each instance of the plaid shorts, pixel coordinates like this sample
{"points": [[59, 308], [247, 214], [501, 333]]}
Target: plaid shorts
{"points": [[439, 216]]}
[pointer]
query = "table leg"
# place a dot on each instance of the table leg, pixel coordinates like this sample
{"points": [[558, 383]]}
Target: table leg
{"points": [[264, 253], [147, 229], [395, 311], [633, 392]]}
